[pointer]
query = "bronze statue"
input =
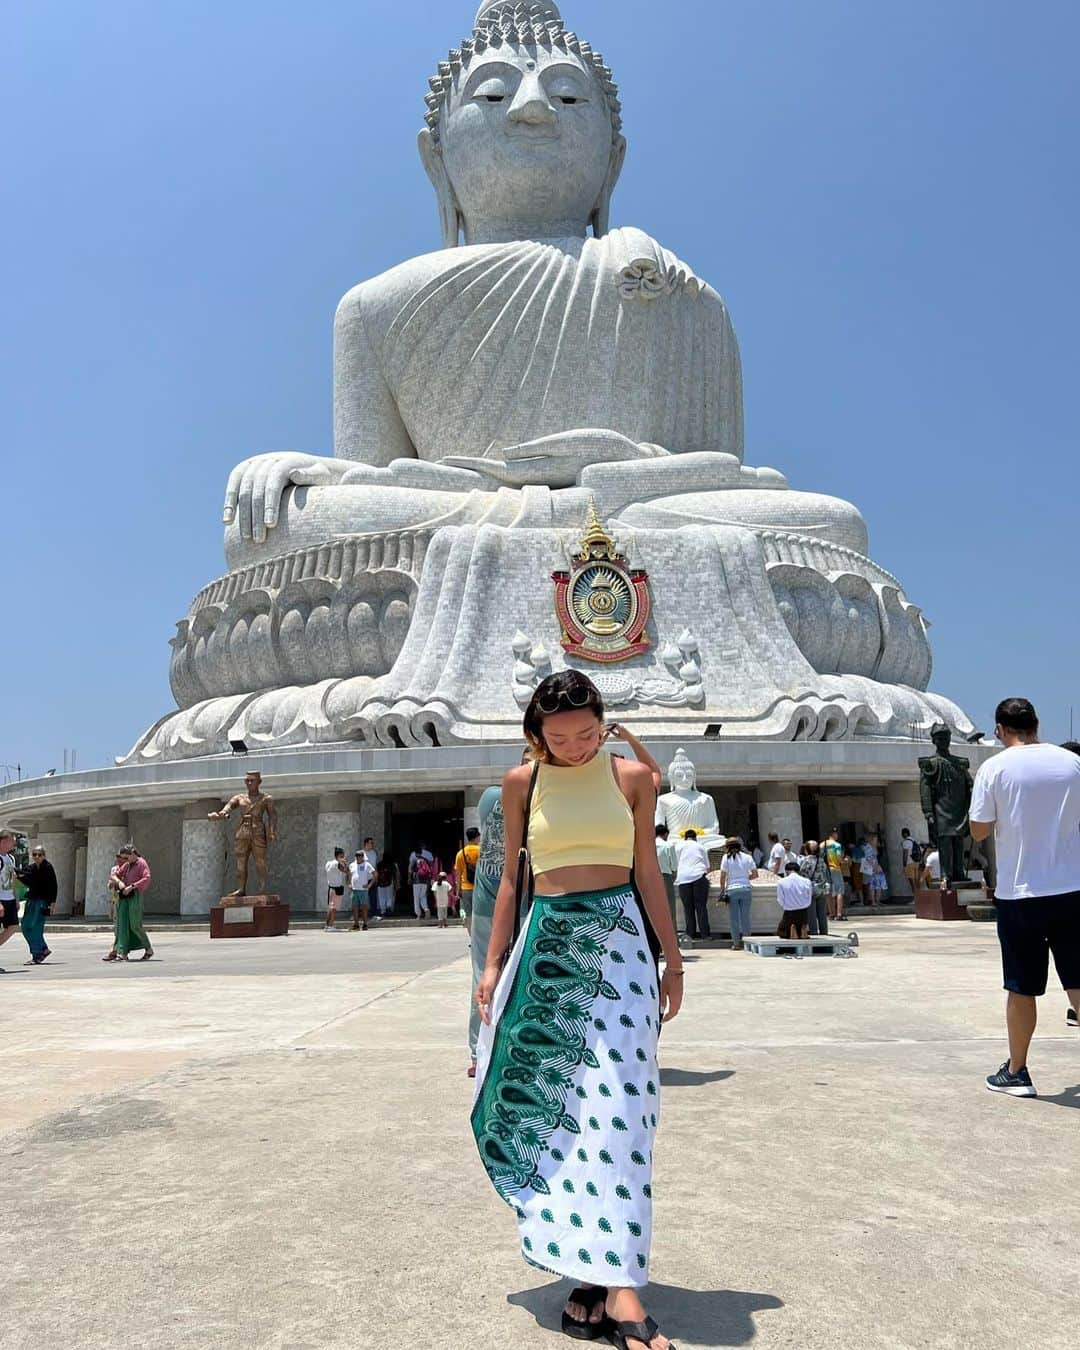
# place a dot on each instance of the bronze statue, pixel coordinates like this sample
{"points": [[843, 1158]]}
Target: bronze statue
{"points": [[256, 832], [945, 793]]}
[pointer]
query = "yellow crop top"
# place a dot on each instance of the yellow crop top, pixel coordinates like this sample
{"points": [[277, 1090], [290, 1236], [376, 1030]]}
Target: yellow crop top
{"points": [[580, 818]]}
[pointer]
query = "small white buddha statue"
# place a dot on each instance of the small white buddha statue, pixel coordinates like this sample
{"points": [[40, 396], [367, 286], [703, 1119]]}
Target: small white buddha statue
{"points": [[685, 807]]}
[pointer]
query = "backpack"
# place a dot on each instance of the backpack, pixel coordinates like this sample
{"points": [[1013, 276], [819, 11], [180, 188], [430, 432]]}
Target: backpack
{"points": [[917, 853], [423, 869], [385, 876], [470, 868]]}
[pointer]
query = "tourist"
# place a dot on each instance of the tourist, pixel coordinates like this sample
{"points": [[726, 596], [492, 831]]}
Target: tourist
{"points": [[361, 881], [337, 874], [667, 858], [387, 880], [133, 877], [790, 856], [856, 878], [776, 855], [834, 852], [421, 875], [795, 895], [40, 882], [1028, 796], [757, 855], [370, 852], [112, 886], [1071, 1017], [912, 860], [8, 903], [590, 827], [931, 870], [879, 886], [441, 890], [692, 879], [815, 869], [737, 871], [465, 871], [489, 870]]}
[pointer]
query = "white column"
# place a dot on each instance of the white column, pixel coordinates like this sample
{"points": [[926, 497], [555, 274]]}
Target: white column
{"points": [[105, 837], [203, 852], [903, 811], [372, 822], [472, 809], [779, 812], [338, 827], [57, 838], [80, 876]]}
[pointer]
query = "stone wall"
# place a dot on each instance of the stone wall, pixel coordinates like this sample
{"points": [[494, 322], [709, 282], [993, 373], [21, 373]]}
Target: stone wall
{"points": [[157, 835], [294, 866]]}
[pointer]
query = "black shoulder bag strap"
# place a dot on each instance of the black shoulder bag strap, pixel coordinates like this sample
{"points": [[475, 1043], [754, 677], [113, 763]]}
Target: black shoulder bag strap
{"points": [[523, 885]]}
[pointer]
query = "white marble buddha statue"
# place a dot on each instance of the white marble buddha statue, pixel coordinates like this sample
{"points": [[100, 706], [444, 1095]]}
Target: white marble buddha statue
{"points": [[537, 349], [686, 807], [488, 396]]}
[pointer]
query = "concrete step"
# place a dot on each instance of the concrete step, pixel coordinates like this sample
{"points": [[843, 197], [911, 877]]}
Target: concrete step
{"points": [[815, 946]]}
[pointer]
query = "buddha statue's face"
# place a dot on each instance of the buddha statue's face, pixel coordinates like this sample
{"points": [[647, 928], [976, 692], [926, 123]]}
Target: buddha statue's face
{"points": [[527, 142], [681, 775]]}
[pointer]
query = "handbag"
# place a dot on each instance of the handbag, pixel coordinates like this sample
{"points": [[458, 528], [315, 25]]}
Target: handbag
{"points": [[525, 881]]}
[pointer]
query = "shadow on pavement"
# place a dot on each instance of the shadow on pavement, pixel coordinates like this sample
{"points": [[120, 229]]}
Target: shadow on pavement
{"points": [[693, 1077], [1070, 1097], [711, 1317]]}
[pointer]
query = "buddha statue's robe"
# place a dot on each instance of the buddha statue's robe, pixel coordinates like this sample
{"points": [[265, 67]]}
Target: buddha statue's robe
{"points": [[449, 361], [690, 809]]}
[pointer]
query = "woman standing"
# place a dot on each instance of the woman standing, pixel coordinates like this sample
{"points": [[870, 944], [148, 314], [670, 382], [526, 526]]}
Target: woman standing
{"points": [[567, 1087], [737, 871], [814, 868]]}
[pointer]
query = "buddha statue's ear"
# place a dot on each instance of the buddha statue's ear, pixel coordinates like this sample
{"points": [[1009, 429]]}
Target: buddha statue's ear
{"points": [[601, 212], [449, 212]]}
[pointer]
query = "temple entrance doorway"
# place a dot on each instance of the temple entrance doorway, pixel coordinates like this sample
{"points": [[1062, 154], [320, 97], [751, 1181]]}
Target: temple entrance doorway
{"points": [[433, 819]]}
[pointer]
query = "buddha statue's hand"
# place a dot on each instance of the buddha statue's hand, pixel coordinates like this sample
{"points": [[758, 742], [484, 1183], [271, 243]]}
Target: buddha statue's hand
{"points": [[256, 485], [557, 461]]}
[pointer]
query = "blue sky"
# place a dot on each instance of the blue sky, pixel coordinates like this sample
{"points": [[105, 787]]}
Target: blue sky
{"points": [[885, 194]]}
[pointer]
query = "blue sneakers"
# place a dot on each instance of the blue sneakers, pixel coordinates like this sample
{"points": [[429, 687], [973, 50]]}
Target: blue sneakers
{"points": [[1017, 1084]]}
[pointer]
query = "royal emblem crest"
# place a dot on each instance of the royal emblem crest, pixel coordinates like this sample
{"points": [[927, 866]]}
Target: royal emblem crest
{"points": [[603, 605]]}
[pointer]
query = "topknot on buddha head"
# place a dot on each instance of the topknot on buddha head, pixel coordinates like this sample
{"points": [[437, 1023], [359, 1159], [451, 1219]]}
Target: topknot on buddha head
{"points": [[522, 104]]}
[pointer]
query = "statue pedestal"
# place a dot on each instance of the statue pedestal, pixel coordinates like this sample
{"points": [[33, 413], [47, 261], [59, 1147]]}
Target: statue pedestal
{"points": [[941, 905], [240, 916]]}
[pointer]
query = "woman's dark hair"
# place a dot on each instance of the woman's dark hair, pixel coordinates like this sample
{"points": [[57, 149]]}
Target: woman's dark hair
{"points": [[733, 847], [566, 691]]}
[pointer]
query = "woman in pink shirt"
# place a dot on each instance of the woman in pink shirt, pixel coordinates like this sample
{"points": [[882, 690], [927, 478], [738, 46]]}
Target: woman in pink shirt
{"points": [[134, 877]]}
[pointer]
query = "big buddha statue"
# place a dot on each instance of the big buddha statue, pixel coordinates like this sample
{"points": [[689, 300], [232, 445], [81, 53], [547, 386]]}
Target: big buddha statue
{"points": [[539, 365]]}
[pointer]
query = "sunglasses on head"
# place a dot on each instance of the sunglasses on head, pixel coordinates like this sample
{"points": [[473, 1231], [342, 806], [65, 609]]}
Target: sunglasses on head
{"points": [[564, 700]]}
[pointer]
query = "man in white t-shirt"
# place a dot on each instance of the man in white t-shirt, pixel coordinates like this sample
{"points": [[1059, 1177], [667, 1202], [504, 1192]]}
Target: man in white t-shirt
{"points": [[421, 875], [1028, 796], [777, 854], [337, 874], [931, 865], [692, 882], [795, 895], [361, 879]]}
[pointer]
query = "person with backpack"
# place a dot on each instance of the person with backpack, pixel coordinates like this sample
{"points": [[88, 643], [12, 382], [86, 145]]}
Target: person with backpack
{"points": [[387, 880], [815, 869], [465, 871], [913, 856], [421, 875]]}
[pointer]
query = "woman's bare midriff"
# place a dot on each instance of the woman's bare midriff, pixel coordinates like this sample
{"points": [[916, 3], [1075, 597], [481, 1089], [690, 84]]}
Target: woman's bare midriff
{"points": [[573, 880]]}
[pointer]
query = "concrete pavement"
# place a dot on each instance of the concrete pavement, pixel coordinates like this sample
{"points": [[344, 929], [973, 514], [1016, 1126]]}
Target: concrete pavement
{"points": [[266, 1144]]}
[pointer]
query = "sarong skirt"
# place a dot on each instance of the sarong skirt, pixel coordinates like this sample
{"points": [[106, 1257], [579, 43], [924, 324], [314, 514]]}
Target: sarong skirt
{"points": [[567, 1087]]}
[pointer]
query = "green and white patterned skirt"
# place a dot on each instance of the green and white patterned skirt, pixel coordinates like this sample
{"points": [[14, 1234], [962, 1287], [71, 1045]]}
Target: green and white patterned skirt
{"points": [[568, 1088]]}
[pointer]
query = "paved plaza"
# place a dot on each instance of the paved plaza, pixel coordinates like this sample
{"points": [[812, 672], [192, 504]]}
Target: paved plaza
{"points": [[266, 1144]]}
